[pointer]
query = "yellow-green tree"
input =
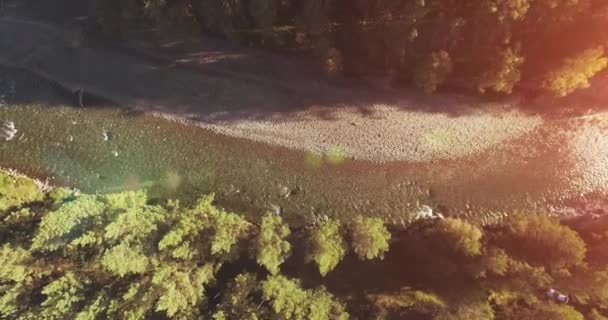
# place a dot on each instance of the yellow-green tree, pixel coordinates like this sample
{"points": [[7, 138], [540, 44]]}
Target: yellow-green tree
{"points": [[326, 246], [369, 237], [271, 248], [575, 72]]}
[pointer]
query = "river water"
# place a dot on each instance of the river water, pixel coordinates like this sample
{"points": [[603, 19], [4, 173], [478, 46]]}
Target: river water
{"points": [[105, 148]]}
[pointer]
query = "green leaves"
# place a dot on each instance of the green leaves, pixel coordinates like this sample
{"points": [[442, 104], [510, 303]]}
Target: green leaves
{"points": [[125, 200], [228, 229], [124, 259], [17, 191], [59, 227], [503, 73], [134, 224], [407, 300], [14, 262], [433, 71], [271, 248], [204, 223], [462, 237], [290, 301], [542, 240], [180, 291], [370, 238], [62, 295], [326, 246], [576, 71]]}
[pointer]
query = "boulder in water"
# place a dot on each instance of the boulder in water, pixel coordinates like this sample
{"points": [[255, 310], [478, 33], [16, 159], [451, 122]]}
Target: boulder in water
{"points": [[8, 130]]}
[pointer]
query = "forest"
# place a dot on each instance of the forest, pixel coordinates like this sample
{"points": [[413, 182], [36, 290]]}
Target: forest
{"points": [[69, 255], [550, 47]]}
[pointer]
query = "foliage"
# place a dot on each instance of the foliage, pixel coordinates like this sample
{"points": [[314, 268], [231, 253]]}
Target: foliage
{"points": [[225, 228], [240, 299], [121, 256], [64, 225], [462, 237], [503, 74], [271, 248], [547, 311], [123, 259], [17, 191], [290, 301], [433, 71], [326, 246], [467, 310], [575, 72], [492, 44], [63, 295], [406, 300], [542, 240], [369, 237]]}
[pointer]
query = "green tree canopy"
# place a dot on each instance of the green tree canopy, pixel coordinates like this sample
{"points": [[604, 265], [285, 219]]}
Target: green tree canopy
{"points": [[271, 248], [326, 246], [369, 237]]}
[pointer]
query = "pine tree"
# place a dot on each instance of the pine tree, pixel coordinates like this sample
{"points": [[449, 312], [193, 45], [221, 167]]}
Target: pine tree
{"points": [[462, 237], [369, 237], [271, 248], [326, 246], [290, 301]]}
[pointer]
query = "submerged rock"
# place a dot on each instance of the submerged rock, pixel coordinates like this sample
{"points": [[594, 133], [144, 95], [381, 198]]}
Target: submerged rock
{"points": [[8, 130]]}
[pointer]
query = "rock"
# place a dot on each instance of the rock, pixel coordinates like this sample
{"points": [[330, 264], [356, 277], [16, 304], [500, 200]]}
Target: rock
{"points": [[284, 192], [8, 130], [275, 209]]}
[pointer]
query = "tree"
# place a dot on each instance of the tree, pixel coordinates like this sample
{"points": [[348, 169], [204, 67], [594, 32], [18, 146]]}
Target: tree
{"points": [[542, 241], [240, 299], [326, 246], [59, 228], [462, 237], [546, 311], [503, 73], [407, 301], [100, 257], [369, 237], [290, 301], [271, 248], [433, 71], [575, 72]]}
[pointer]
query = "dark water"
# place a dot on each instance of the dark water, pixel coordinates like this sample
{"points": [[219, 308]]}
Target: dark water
{"points": [[67, 145]]}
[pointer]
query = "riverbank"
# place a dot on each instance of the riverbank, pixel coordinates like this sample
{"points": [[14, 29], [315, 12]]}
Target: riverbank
{"points": [[67, 145], [314, 149], [299, 113]]}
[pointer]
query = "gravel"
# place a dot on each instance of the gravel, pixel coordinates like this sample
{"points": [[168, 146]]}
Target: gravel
{"points": [[387, 133]]}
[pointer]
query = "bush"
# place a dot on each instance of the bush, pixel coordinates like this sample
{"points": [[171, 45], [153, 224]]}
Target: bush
{"points": [[575, 72]]}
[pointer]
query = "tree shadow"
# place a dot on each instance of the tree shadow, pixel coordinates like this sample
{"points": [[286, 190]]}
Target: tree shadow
{"points": [[212, 80]]}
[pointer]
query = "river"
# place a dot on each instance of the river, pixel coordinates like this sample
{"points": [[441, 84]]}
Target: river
{"points": [[105, 148]]}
